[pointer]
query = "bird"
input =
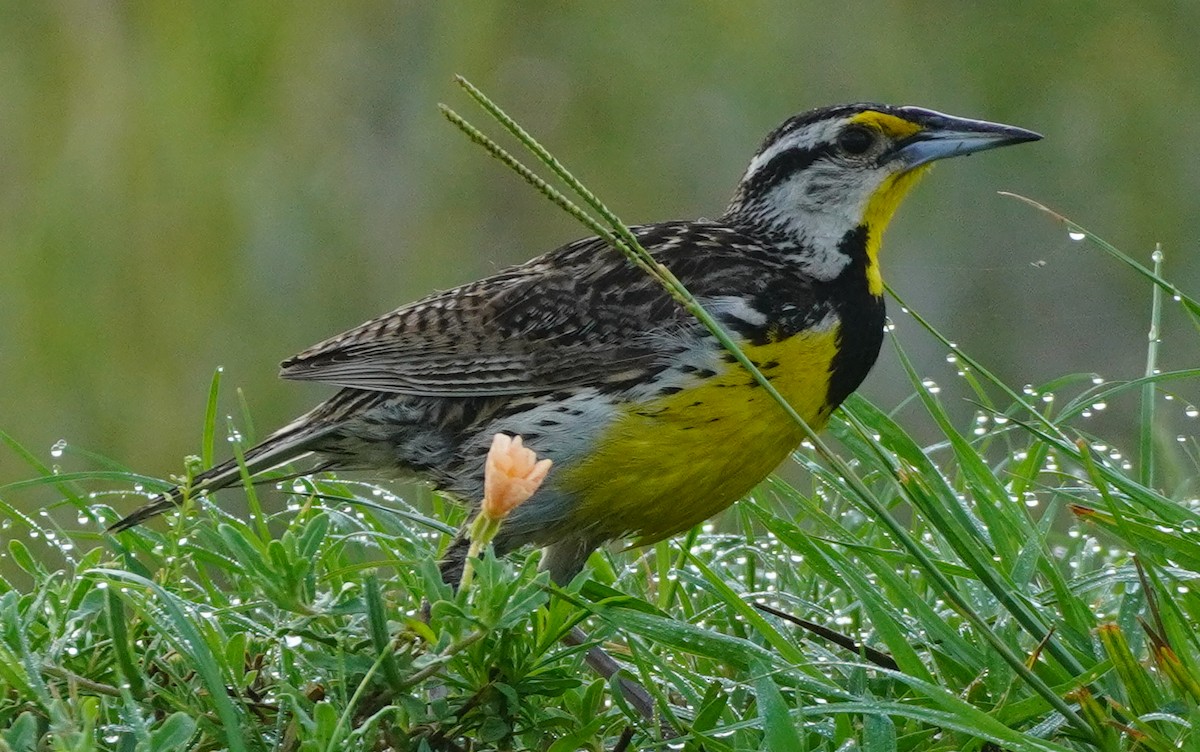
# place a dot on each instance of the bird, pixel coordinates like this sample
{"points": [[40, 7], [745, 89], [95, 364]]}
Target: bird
{"points": [[651, 425]]}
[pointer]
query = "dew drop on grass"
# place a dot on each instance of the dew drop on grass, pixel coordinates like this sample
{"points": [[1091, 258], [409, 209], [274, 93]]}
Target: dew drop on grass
{"points": [[56, 450], [931, 386], [1191, 411], [1076, 235], [1099, 406]]}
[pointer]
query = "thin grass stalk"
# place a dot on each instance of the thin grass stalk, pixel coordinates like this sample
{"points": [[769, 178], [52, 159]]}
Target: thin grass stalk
{"points": [[1146, 457], [1190, 303]]}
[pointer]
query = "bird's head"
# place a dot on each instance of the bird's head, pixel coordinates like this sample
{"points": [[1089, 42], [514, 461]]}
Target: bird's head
{"points": [[825, 184]]}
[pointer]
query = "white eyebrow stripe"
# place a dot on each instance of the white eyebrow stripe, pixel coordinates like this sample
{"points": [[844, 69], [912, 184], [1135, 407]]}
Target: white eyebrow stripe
{"points": [[805, 137]]}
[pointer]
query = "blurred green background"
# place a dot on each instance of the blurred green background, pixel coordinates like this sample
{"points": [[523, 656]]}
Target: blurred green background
{"points": [[192, 185]]}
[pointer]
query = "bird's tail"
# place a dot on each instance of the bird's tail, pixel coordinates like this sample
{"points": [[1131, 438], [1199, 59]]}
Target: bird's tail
{"points": [[289, 443]]}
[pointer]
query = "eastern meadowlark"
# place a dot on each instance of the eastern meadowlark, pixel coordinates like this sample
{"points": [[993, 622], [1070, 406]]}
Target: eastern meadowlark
{"points": [[652, 427]]}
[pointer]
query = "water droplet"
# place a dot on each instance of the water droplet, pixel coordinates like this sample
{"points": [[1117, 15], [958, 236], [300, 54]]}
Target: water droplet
{"points": [[1099, 406], [1157, 256], [1191, 411], [293, 641], [56, 450], [931, 386], [1076, 235]]}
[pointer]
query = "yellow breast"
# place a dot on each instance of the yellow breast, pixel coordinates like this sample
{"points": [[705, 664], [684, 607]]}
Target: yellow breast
{"points": [[668, 464]]}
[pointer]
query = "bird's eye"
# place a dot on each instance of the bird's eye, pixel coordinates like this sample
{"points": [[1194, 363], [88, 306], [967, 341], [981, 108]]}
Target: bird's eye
{"points": [[856, 139]]}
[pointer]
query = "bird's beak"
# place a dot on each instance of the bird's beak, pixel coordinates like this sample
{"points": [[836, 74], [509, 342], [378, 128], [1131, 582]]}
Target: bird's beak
{"points": [[943, 136]]}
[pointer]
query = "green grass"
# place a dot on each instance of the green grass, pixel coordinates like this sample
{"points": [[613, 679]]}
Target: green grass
{"points": [[1031, 587]]}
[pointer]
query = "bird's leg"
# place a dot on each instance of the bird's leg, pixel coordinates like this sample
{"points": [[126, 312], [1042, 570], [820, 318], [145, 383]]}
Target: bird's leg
{"points": [[563, 560], [602, 663]]}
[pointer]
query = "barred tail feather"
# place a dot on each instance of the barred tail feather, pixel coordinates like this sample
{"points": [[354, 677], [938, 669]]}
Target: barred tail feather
{"points": [[287, 444]]}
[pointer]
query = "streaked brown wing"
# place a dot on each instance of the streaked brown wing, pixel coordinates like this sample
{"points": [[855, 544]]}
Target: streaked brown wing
{"points": [[574, 317], [581, 315]]}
